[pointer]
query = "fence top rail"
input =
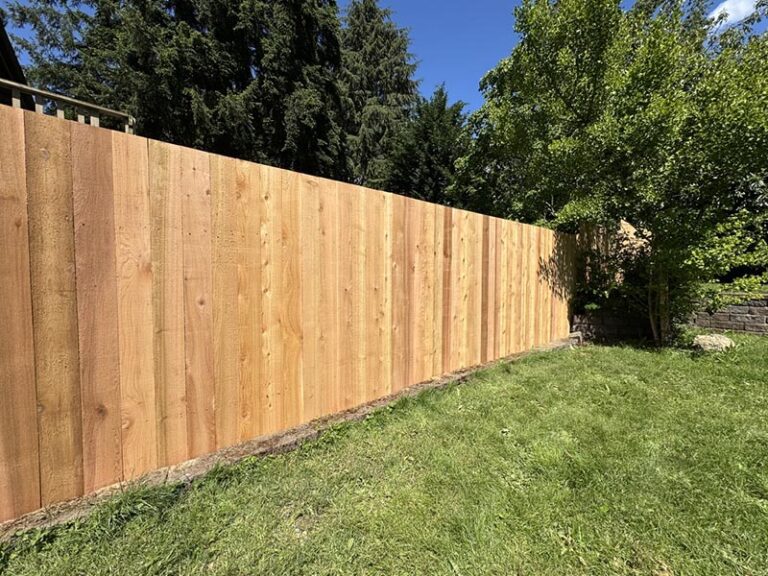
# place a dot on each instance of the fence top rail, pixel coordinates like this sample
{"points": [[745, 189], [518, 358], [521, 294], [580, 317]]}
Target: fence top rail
{"points": [[128, 120]]}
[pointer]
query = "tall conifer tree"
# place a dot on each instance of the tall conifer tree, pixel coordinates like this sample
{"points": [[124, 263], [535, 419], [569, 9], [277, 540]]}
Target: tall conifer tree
{"points": [[423, 159], [379, 88], [256, 79]]}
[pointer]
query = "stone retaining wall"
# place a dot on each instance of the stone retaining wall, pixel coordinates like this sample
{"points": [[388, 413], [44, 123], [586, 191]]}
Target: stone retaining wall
{"points": [[750, 316], [602, 326]]}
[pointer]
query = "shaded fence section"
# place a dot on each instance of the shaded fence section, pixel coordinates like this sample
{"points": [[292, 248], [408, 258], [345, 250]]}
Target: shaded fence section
{"points": [[160, 303]]}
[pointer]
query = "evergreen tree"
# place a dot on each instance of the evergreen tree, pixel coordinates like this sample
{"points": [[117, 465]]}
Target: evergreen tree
{"points": [[424, 155], [256, 79], [379, 88]]}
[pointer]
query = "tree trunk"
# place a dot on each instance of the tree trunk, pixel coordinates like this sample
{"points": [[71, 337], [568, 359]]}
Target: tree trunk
{"points": [[665, 323], [652, 308]]}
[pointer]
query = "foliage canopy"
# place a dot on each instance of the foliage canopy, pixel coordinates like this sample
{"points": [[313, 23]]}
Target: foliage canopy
{"points": [[649, 115]]}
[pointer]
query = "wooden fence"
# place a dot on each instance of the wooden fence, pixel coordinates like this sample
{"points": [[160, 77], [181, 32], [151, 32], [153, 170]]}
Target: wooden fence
{"points": [[159, 303]]}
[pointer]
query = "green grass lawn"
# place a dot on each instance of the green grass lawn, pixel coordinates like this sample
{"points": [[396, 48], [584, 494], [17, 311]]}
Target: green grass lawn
{"points": [[591, 461]]}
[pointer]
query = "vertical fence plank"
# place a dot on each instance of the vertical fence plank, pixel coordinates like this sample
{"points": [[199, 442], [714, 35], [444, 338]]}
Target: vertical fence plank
{"points": [[491, 353], [311, 382], [449, 290], [227, 180], [536, 238], [135, 326], [503, 294], [252, 258], [97, 313], [165, 180], [523, 301], [506, 280], [360, 298], [562, 328], [513, 258], [568, 268], [328, 295], [54, 306], [417, 301], [19, 464], [468, 297], [515, 287], [556, 285], [411, 289], [485, 313], [372, 310], [377, 371], [460, 298], [287, 253], [498, 295], [351, 296], [533, 287], [282, 300], [541, 302], [474, 273], [547, 309], [387, 288], [419, 297], [430, 294], [553, 286], [195, 182], [540, 309], [531, 301], [565, 255], [439, 290], [563, 275], [506, 288], [517, 262], [565, 263], [269, 391], [399, 293]]}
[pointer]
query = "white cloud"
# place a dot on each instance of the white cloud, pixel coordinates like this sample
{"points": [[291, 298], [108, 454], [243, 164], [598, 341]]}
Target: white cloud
{"points": [[736, 10]]}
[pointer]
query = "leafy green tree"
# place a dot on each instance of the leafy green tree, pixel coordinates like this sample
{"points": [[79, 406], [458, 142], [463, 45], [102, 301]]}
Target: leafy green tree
{"points": [[736, 253], [648, 116], [423, 159], [256, 79], [528, 145], [378, 85]]}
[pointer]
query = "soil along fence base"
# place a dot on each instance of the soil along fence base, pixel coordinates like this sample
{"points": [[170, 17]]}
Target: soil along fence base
{"points": [[161, 303]]}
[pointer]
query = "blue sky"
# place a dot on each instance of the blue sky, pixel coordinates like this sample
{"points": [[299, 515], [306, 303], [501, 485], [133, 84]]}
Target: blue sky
{"points": [[456, 41]]}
